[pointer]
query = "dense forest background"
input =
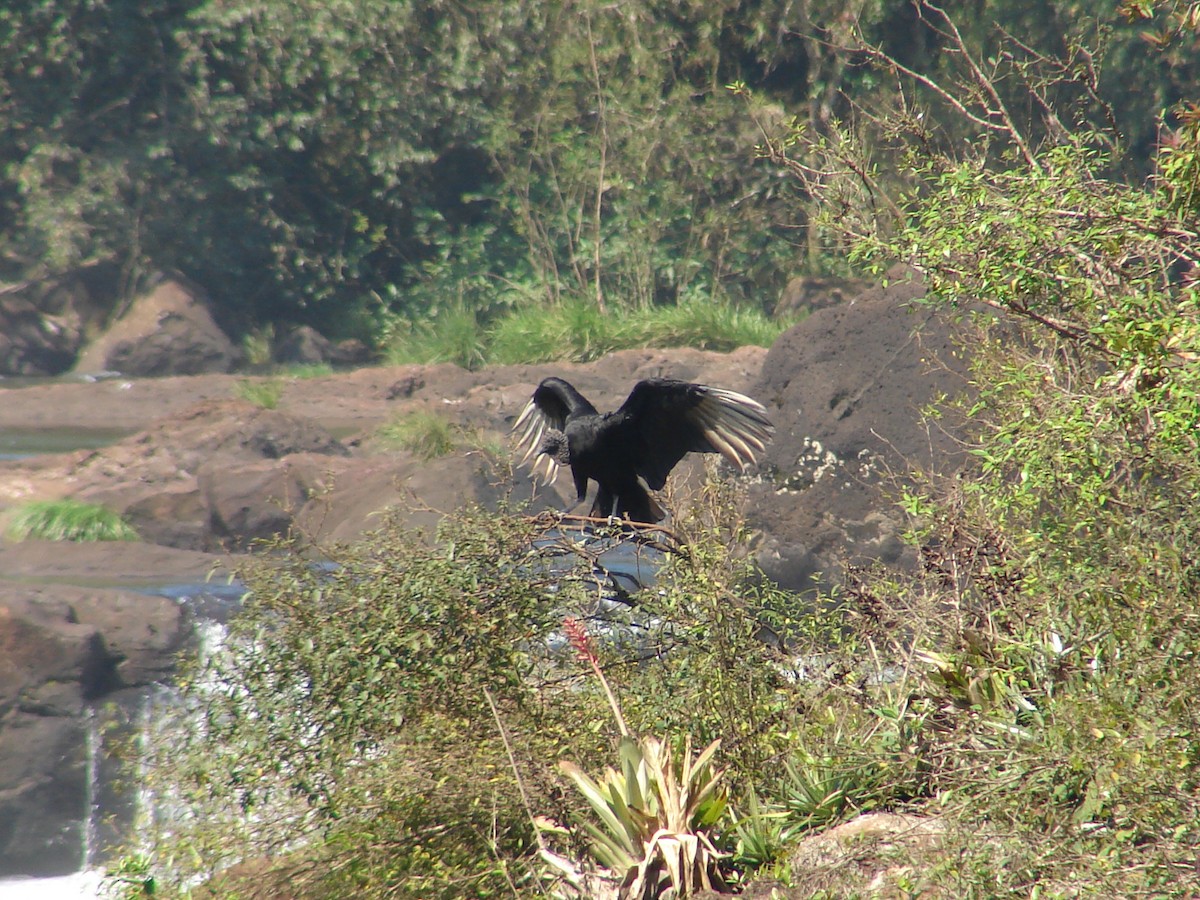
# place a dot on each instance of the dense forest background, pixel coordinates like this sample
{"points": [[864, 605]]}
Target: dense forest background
{"points": [[355, 164]]}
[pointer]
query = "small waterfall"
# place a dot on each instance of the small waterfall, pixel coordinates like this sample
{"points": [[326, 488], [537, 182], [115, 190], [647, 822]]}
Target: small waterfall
{"points": [[91, 811], [116, 810]]}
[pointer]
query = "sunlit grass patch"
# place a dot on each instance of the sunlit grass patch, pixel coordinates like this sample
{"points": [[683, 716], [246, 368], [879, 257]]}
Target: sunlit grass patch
{"points": [[454, 337], [421, 432], [706, 326], [68, 520], [577, 331], [301, 371], [573, 330], [264, 393]]}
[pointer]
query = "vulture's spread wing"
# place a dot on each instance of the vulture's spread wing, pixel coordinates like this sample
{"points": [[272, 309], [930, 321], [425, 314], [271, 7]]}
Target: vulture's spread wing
{"points": [[553, 402], [676, 417]]}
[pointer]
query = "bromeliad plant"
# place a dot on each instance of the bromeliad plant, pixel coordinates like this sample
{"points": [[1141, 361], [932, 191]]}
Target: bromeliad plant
{"points": [[656, 813]]}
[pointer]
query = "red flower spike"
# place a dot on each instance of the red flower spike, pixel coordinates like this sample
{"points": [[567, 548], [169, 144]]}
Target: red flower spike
{"points": [[580, 639]]}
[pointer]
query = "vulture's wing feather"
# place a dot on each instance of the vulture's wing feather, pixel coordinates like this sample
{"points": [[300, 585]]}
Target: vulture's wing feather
{"points": [[674, 418], [552, 404]]}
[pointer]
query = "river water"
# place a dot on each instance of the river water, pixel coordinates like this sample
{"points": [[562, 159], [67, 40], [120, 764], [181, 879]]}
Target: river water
{"points": [[32, 442]]}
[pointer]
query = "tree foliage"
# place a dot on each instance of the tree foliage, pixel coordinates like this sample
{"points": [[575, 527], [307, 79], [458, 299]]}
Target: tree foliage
{"points": [[355, 162]]}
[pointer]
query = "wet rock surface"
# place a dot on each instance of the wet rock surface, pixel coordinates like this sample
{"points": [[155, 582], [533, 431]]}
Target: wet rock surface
{"points": [[63, 648]]}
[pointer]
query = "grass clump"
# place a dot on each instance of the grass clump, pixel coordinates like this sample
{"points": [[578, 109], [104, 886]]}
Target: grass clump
{"points": [[302, 371], [264, 393], [258, 346], [572, 330], [423, 433], [456, 336], [706, 325], [68, 520]]}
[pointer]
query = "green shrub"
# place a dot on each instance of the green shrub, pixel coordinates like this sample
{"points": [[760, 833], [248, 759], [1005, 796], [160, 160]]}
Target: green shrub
{"points": [[1034, 680], [68, 520], [353, 708]]}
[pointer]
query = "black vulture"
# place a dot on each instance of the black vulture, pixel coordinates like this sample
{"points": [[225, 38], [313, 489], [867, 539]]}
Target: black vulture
{"points": [[638, 445]]}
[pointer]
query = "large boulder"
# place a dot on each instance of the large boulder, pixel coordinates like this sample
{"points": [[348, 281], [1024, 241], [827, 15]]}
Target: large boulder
{"points": [[64, 651], [305, 346], [846, 388], [169, 330], [33, 343], [44, 323]]}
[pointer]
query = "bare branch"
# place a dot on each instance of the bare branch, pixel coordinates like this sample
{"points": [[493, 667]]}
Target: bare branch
{"points": [[986, 84]]}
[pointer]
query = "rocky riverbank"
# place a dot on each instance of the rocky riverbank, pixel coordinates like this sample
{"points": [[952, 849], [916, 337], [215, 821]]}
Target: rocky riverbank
{"points": [[203, 473]]}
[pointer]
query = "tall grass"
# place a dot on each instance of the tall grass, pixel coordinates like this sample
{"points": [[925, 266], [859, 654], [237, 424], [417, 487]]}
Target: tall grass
{"points": [[68, 520], [575, 330], [706, 326], [454, 337], [262, 392]]}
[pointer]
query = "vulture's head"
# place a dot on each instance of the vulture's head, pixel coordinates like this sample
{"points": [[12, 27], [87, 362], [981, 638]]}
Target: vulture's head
{"points": [[554, 445]]}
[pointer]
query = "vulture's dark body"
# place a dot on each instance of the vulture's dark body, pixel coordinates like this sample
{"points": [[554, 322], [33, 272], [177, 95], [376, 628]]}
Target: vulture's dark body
{"points": [[636, 447]]}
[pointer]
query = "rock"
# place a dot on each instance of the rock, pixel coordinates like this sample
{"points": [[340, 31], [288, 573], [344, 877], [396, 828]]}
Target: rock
{"points": [[66, 646], [304, 346], [350, 352], [43, 780], [257, 500], [873, 853], [96, 562], [846, 387], [805, 294], [63, 651], [361, 491], [217, 476], [169, 330], [33, 343], [43, 323], [174, 516], [405, 387]]}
